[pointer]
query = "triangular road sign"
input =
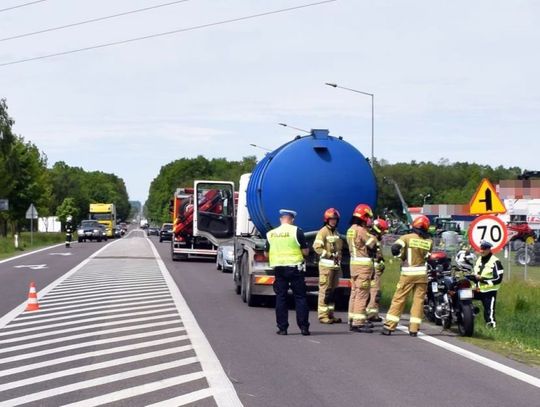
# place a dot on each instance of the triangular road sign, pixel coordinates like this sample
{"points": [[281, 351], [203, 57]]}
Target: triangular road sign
{"points": [[485, 200]]}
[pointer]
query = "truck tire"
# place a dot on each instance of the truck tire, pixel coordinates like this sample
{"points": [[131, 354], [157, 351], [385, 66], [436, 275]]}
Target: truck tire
{"points": [[80, 239], [244, 274], [251, 299], [523, 258]]}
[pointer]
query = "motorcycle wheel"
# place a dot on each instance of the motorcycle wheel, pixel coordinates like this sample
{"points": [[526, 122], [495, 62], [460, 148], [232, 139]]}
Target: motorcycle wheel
{"points": [[429, 311], [466, 322]]}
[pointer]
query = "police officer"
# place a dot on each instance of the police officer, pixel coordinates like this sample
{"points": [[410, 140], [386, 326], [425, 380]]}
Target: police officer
{"points": [[360, 242], [413, 249], [286, 247], [378, 229], [488, 273], [328, 246], [69, 230]]}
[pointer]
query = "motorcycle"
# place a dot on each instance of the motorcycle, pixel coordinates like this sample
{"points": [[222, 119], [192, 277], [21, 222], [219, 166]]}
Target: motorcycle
{"points": [[449, 295]]}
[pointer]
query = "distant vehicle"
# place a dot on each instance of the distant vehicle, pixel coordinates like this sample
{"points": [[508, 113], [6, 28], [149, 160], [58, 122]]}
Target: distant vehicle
{"points": [[165, 233], [118, 231], [225, 257], [144, 224], [152, 231], [104, 213], [91, 230], [124, 226]]}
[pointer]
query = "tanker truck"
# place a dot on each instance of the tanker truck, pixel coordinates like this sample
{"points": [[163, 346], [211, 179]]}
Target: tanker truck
{"points": [[308, 174]]}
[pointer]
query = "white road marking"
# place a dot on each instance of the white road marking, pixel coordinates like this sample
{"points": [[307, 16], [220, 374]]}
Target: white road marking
{"points": [[184, 399], [100, 381], [507, 370], [91, 367], [120, 283], [83, 321], [30, 253], [76, 293], [81, 304], [54, 299], [61, 254], [224, 392], [43, 292], [137, 390], [42, 315], [89, 355], [32, 266], [87, 327], [118, 312]]}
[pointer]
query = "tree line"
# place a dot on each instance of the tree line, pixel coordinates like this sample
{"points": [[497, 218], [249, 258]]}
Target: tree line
{"points": [[439, 183], [62, 190]]}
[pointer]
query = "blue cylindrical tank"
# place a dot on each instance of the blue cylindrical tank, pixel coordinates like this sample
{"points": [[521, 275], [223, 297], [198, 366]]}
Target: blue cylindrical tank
{"points": [[309, 175]]}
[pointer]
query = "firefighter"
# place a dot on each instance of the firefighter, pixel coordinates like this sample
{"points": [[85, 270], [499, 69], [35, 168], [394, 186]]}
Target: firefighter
{"points": [[328, 246], [69, 230], [360, 242], [488, 273], [286, 247], [413, 249], [379, 229]]}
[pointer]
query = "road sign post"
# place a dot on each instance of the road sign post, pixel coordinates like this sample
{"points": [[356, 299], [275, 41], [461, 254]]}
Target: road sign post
{"points": [[489, 228], [31, 213]]}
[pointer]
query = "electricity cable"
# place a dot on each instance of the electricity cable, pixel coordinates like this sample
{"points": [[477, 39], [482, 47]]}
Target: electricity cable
{"points": [[166, 33]]}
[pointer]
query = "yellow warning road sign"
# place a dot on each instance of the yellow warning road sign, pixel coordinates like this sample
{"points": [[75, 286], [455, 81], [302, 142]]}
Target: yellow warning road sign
{"points": [[485, 200]]}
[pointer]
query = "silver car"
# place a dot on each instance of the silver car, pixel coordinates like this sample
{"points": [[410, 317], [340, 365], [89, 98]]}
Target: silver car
{"points": [[225, 258]]}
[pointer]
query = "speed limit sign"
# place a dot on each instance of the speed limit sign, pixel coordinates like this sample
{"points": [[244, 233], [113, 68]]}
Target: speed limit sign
{"points": [[489, 228]]}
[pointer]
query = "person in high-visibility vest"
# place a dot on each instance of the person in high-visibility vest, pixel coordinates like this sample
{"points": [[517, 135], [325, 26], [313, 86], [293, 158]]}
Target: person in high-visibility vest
{"points": [[328, 246], [378, 229], [360, 242], [488, 273], [413, 249], [286, 248]]}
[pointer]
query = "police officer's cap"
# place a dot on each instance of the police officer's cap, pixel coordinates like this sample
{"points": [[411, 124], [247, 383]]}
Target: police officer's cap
{"points": [[484, 244], [287, 212]]}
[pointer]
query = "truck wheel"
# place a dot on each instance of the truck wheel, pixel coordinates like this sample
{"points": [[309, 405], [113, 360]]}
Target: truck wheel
{"points": [[79, 240], [251, 299], [244, 276], [523, 258]]}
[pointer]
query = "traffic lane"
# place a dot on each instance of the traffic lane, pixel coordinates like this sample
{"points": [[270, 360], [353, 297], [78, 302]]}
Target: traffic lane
{"points": [[333, 366], [15, 279]]}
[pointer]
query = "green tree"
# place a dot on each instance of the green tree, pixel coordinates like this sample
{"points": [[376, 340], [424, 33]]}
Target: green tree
{"points": [[67, 208]]}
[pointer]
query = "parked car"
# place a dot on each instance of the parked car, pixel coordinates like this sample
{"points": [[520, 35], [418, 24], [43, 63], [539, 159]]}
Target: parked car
{"points": [[91, 230], [152, 231], [225, 258], [165, 233]]}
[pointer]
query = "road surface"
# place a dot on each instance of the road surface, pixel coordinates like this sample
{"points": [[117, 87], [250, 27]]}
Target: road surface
{"points": [[127, 329]]}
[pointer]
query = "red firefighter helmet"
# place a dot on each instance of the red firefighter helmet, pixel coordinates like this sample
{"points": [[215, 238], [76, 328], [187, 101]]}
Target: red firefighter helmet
{"points": [[421, 222], [331, 213], [363, 212], [380, 225]]}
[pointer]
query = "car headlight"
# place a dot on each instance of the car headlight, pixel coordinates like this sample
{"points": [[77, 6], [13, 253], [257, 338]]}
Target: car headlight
{"points": [[96, 230], [80, 231], [229, 254]]}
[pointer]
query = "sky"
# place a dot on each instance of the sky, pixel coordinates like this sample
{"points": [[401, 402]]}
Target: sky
{"points": [[457, 80]]}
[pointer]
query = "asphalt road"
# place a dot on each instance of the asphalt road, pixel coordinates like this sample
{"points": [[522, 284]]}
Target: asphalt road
{"points": [[334, 367], [117, 332], [48, 265]]}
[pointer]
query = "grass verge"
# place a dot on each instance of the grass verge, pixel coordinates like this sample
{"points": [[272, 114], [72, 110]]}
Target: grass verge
{"points": [[518, 317], [7, 247]]}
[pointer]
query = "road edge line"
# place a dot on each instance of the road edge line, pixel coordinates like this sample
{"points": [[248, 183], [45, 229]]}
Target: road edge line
{"points": [[223, 390], [31, 252], [11, 315], [507, 370]]}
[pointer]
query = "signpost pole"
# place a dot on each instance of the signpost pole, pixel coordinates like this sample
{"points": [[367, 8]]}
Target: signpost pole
{"points": [[32, 230]]}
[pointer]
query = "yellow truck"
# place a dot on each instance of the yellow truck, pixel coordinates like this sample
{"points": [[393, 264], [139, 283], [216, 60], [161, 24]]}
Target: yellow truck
{"points": [[104, 213]]}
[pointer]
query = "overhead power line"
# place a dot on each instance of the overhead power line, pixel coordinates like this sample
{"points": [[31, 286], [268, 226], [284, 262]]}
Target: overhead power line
{"points": [[92, 20], [21, 5], [162, 34]]}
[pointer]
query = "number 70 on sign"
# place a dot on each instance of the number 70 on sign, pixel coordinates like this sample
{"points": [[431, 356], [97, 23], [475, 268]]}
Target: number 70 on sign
{"points": [[489, 228]]}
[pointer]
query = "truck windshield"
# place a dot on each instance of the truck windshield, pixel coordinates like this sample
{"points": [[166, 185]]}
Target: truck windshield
{"points": [[100, 216]]}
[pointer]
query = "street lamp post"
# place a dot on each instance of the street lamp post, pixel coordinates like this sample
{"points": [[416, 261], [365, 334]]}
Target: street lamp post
{"points": [[335, 85]]}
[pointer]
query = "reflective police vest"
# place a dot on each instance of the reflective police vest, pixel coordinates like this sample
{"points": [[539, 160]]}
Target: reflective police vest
{"points": [[486, 271], [284, 248]]}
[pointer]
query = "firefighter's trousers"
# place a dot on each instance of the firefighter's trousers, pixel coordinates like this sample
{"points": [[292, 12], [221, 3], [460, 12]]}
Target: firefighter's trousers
{"points": [[373, 304], [360, 285], [418, 285], [328, 281]]}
